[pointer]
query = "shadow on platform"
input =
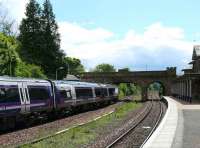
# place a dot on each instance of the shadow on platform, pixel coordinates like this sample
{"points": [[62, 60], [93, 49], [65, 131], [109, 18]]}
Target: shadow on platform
{"points": [[183, 102]]}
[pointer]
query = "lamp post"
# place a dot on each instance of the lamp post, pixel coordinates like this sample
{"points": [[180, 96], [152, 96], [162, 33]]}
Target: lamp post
{"points": [[60, 68], [67, 68]]}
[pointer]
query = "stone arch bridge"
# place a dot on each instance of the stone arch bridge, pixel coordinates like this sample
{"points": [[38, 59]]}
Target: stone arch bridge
{"points": [[141, 78]]}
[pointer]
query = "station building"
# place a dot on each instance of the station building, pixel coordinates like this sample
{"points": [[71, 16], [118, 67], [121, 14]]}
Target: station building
{"points": [[187, 86]]}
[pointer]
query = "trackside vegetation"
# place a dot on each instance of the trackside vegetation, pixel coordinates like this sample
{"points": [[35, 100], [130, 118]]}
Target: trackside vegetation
{"points": [[129, 90], [82, 135]]}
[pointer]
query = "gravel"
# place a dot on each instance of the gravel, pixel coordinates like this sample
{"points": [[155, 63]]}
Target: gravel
{"points": [[26, 135], [136, 137], [111, 132]]}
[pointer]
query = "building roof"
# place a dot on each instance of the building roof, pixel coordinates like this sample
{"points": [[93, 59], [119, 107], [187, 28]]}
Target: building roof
{"points": [[71, 78], [196, 52], [192, 62]]}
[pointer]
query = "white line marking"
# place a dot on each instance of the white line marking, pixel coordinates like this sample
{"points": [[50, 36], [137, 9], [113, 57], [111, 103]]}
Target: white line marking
{"points": [[80, 124]]}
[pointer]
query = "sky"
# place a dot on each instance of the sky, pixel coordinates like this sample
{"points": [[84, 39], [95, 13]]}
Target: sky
{"points": [[139, 34]]}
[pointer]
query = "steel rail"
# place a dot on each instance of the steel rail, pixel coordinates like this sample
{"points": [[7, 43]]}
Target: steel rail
{"points": [[155, 126], [133, 127]]}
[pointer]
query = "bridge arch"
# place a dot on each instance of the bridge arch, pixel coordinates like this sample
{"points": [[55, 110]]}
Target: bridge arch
{"points": [[155, 89], [142, 78]]}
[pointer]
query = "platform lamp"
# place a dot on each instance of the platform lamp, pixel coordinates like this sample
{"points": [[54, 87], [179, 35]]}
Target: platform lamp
{"points": [[67, 68], [60, 68]]}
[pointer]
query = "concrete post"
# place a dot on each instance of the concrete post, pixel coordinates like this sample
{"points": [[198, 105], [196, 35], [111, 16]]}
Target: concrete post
{"points": [[181, 89], [179, 92], [190, 83], [186, 91]]}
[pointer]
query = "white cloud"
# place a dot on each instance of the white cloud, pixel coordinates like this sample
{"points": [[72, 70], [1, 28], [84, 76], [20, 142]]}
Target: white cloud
{"points": [[74, 34], [158, 46], [15, 8]]}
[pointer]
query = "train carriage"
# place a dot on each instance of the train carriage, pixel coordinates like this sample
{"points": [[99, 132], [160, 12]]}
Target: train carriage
{"points": [[22, 98]]}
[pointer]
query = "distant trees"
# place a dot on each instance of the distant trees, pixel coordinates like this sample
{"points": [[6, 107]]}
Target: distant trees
{"points": [[156, 86], [124, 70], [40, 38], [126, 89], [104, 68], [75, 65]]}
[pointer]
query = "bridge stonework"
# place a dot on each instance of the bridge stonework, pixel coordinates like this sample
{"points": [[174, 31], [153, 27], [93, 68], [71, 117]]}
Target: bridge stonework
{"points": [[141, 78]]}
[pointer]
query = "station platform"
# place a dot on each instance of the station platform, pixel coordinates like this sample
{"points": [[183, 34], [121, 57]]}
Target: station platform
{"points": [[180, 127]]}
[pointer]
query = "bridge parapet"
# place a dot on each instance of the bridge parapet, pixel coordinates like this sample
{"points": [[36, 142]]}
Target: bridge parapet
{"points": [[142, 78]]}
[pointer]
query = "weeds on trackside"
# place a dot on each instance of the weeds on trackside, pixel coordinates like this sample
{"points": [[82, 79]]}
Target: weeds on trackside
{"points": [[84, 134]]}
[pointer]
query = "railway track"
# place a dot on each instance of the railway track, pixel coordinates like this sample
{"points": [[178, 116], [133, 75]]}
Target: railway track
{"points": [[137, 135]]}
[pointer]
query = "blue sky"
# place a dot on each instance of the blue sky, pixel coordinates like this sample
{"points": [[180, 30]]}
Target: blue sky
{"points": [[125, 33], [121, 15]]}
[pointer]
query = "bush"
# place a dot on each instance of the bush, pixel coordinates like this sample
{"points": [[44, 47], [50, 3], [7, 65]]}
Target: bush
{"points": [[29, 70]]}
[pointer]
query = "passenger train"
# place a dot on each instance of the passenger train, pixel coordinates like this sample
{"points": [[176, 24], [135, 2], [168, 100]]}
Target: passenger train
{"points": [[21, 98]]}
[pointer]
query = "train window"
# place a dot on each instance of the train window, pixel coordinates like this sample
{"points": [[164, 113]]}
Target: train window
{"points": [[38, 93], [98, 92], [105, 92], [66, 94], [111, 91], [83, 92], [8, 95]]}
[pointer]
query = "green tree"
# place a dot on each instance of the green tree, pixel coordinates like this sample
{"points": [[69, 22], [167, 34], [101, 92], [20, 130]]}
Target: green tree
{"points": [[124, 70], [104, 68], [29, 70], [52, 57], [75, 65], [8, 55], [10, 62], [30, 34], [70, 66], [40, 38]]}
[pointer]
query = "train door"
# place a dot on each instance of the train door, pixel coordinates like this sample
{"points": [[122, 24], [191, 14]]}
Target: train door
{"points": [[24, 98], [27, 98]]}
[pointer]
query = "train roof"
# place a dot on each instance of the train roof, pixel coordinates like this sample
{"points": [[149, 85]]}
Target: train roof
{"points": [[77, 83], [80, 83], [19, 79]]}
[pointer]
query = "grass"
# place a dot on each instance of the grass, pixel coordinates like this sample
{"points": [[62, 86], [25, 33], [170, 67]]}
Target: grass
{"points": [[84, 134]]}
